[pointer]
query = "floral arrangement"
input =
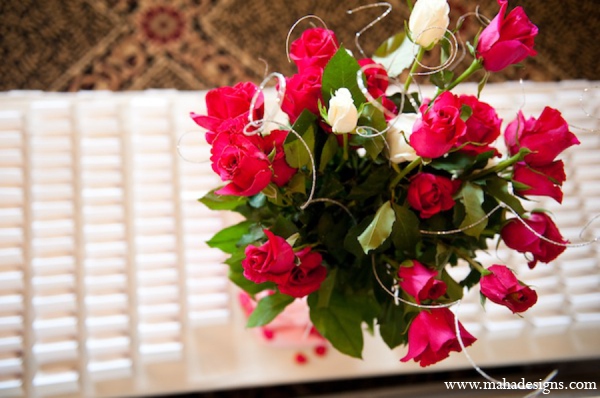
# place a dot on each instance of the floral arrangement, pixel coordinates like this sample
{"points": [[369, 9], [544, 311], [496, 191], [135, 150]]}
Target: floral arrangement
{"points": [[368, 195]]}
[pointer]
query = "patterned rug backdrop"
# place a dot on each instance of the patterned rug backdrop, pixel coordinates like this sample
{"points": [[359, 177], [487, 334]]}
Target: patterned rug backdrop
{"points": [[73, 45]]}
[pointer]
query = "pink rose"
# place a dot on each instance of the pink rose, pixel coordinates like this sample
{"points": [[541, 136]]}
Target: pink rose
{"points": [[306, 277], [483, 127], [303, 91], [238, 159], [314, 48], [282, 172], [542, 181], [376, 76], [518, 237], [228, 109], [419, 281], [546, 137], [432, 336], [439, 127], [431, 194], [273, 261], [502, 287], [506, 40]]}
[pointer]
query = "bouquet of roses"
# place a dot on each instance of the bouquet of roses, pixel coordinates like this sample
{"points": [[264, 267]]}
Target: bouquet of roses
{"points": [[366, 197]]}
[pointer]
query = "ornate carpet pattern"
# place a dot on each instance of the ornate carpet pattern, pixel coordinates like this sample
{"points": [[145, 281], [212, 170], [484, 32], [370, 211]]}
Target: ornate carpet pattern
{"points": [[73, 45]]}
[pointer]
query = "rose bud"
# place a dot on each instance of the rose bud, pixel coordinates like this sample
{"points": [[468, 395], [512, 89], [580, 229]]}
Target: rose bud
{"points": [[507, 39], [431, 194], [238, 159], [541, 181], [439, 127], [546, 137], [306, 277], [432, 336], [342, 115], [483, 127], [502, 287], [419, 282], [228, 109], [314, 48], [428, 22], [518, 237], [398, 137], [272, 261], [303, 91]]}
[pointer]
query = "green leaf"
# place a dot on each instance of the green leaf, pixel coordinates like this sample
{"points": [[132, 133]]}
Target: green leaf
{"points": [[326, 289], [395, 54], [351, 243], [339, 323], [375, 183], [372, 117], [471, 196], [254, 233], [498, 188], [304, 122], [379, 229], [482, 83], [393, 325], [268, 308], [455, 290], [342, 71], [283, 227], [472, 279], [442, 255], [296, 153], [405, 232], [465, 112], [403, 102], [236, 275], [257, 200], [221, 202], [227, 239], [329, 150]]}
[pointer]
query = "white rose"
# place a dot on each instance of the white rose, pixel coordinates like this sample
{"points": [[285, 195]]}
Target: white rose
{"points": [[399, 148], [342, 114], [428, 21]]}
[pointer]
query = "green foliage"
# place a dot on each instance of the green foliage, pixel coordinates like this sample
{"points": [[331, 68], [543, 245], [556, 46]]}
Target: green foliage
{"points": [[342, 71], [379, 229], [339, 323], [268, 308]]}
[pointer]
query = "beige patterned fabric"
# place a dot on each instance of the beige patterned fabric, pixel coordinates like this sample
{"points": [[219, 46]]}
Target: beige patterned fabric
{"points": [[197, 44]]}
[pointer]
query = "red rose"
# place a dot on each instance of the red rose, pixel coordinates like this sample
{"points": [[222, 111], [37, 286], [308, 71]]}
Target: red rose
{"points": [[542, 181], [376, 76], [419, 281], [228, 109], [432, 335], [431, 194], [518, 237], [483, 127], [306, 277], [271, 262], [314, 48], [439, 127], [506, 40], [502, 287], [303, 91], [282, 172], [238, 159], [546, 137]]}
